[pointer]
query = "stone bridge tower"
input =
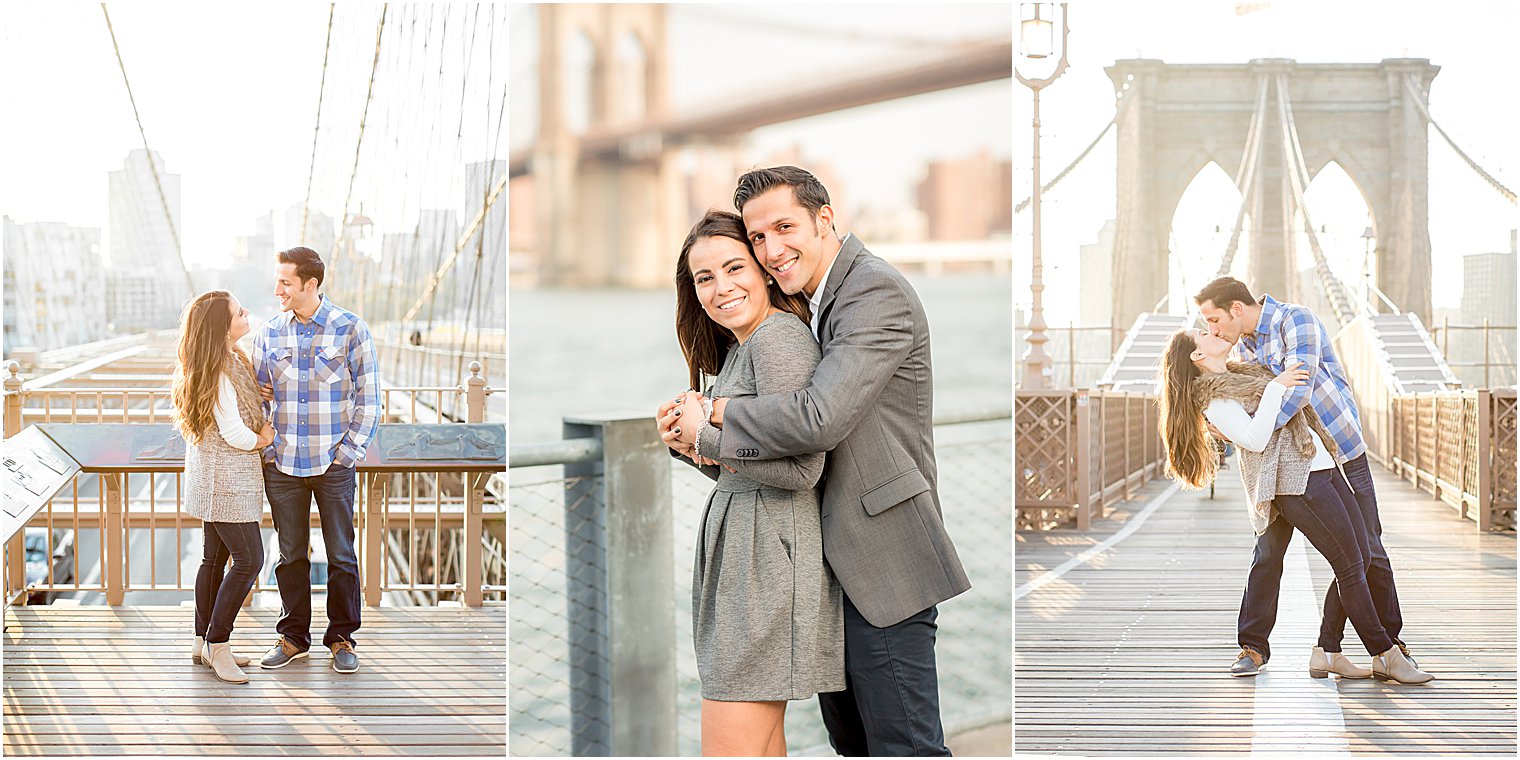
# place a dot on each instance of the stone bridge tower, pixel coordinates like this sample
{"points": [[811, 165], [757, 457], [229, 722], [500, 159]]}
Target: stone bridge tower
{"points": [[1185, 115], [604, 215]]}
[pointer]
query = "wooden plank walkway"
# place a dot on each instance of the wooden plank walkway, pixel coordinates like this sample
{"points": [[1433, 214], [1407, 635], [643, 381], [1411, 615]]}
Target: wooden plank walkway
{"points": [[1128, 653], [119, 681]]}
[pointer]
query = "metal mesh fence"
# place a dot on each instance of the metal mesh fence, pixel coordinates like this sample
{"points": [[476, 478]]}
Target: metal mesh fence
{"points": [[974, 648]]}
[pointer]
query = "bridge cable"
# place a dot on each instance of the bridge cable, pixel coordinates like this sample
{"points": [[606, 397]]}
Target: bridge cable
{"points": [[469, 232], [152, 166], [316, 130], [1123, 103], [1419, 99], [359, 143], [1298, 173], [1246, 177]]}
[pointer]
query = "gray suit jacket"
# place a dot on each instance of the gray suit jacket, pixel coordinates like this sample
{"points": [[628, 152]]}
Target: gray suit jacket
{"points": [[870, 404]]}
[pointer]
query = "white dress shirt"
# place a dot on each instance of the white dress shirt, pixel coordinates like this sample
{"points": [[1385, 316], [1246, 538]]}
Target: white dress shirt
{"points": [[817, 298]]}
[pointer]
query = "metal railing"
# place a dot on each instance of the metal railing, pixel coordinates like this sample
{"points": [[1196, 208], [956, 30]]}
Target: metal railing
{"points": [[1459, 446], [604, 525], [425, 535], [1081, 452], [1496, 349], [1067, 344]]}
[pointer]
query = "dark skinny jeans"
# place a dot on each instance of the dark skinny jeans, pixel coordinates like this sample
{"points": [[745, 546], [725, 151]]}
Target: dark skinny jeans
{"points": [[218, 599], [1327, 514]]}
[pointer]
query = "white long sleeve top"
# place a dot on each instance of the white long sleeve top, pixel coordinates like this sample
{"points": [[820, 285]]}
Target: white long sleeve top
{"points": [[1254, 432], [230, 424]]}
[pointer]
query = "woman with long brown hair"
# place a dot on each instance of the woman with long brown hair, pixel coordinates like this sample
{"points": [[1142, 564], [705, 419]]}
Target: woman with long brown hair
{"points": [[216, 409], [767, 615], [1288, 473]]}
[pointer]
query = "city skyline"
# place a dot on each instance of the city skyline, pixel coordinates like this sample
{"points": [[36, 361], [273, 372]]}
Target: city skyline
{"points": [[238, 125]]}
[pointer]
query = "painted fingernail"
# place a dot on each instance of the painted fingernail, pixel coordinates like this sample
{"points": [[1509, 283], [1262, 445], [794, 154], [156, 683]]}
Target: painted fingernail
{"points": [[676, 430], [678, 412]]}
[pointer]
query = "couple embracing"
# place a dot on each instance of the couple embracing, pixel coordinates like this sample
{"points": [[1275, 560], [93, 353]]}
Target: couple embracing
{"points": [[822, 552], [290, 423], [1287, 405]]}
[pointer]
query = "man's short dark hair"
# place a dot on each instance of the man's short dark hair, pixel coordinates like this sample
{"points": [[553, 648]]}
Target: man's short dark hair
{"points": [[806, 189], [1225, 292], [308, 263]]}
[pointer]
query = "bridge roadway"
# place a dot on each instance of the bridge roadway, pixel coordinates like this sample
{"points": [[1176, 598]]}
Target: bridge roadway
{"points": [[1128, 652]]}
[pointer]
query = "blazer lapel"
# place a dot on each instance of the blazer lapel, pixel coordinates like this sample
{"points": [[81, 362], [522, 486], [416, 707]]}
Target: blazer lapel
{"points": [[848, 252]]}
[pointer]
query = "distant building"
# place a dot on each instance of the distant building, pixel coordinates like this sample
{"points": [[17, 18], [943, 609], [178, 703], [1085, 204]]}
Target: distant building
{"points": [[53, 282], [490, 294], [135, 300], [1095, 268], [142, 239], [969, 198], [1488, 292], [319, 234]]}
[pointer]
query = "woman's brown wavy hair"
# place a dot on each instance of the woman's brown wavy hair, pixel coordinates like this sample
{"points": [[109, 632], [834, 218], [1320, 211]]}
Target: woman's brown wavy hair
{"points": [[202, 350], [1190, 457], [705, 343]]}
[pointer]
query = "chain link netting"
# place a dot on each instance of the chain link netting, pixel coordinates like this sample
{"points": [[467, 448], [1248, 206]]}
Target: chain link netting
{"points": [[974, 649]]}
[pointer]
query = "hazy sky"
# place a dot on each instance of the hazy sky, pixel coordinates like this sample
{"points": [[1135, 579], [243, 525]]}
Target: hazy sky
{"points": [[740, 51], [1471, 97], [228, 97]]}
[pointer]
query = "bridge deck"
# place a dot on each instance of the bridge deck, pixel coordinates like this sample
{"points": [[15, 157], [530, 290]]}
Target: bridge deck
{"points": [[118, 681], [1128, 652]]}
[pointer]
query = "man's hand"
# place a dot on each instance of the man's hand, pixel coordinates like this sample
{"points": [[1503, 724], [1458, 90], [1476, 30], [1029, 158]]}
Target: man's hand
{"points": [[266, 392], [265, 436]]}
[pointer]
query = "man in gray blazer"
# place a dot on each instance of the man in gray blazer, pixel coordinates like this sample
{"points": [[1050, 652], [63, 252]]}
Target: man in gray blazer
{"points": [[870, 404]]}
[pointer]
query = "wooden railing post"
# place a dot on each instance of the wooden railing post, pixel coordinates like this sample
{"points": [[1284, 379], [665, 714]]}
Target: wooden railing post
{"points": [[373, 489], [474, 530], [1486, 447], [475, 394], [1087, 509], [114, 571], [15, 566]]}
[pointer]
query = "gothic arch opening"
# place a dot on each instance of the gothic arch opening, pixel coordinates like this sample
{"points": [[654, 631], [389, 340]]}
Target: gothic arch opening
{"points": [[631, 73], [579, 67], [1341, 215], [1200, 232]]}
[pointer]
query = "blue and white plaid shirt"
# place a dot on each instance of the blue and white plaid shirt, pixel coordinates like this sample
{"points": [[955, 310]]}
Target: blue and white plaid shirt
{"points": [[1288, 332], [326, 388]]}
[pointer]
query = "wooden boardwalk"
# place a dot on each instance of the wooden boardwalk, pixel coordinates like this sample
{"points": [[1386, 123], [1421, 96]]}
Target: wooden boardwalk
{"points": [[118, 681], [1128, 652]]}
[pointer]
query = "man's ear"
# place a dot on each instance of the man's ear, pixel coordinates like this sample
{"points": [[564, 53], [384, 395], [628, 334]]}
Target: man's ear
{"points": [[824, 218]]}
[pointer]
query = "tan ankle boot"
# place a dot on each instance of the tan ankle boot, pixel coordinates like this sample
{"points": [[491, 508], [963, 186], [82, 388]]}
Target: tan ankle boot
{"points": [[200, 646], [1392, 665], [223, 665], [1322, 664]]}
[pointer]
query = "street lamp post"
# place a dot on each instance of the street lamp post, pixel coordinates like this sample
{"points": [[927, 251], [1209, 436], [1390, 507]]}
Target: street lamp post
{"points": [[1036, 35]]}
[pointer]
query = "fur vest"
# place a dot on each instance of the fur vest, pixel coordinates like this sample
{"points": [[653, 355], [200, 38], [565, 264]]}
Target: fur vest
{"points": [[222, 483], [1283, 466]]}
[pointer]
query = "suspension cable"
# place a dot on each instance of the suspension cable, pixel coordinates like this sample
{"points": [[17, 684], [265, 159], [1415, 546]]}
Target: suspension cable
{"points": [[359, 143], [1298, 174], [317, 130], [464, 239], [1419, 102], [1123, 103], [152, 166], [1246, 177]]}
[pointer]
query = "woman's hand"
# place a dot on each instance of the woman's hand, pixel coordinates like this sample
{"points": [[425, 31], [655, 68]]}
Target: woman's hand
{"points": [[1292, 377], [266, 436]]}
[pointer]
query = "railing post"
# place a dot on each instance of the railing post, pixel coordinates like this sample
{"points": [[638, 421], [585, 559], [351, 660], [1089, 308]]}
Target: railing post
{"points": [[115, 568], [475, 394], [619, 546], [1082, 477], [1485, 453], [1485, 354], [15, 566], [474, 530], [373, 488]]}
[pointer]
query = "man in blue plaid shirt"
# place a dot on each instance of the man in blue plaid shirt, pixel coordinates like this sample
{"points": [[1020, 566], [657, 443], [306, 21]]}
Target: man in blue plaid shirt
{"points": [[1274, 334], [316, 363]]}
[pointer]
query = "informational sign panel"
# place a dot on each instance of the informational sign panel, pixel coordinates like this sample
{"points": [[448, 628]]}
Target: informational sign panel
{"points": [[36, 469], [448, 446]]}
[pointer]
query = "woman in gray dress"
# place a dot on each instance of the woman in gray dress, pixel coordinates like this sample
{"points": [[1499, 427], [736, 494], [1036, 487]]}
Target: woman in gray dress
{"points": [[216, 409], [767, 615]]}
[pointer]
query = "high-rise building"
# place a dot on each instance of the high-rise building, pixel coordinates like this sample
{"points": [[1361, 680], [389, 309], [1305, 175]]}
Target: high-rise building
{"points": [[143, 240], [969, 198], [1095, 262], [53, 282], [319, 234], [1488, 292]]}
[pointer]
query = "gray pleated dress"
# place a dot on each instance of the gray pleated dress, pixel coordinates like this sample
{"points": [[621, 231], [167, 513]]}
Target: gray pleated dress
{"points": [[767, 614]]}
